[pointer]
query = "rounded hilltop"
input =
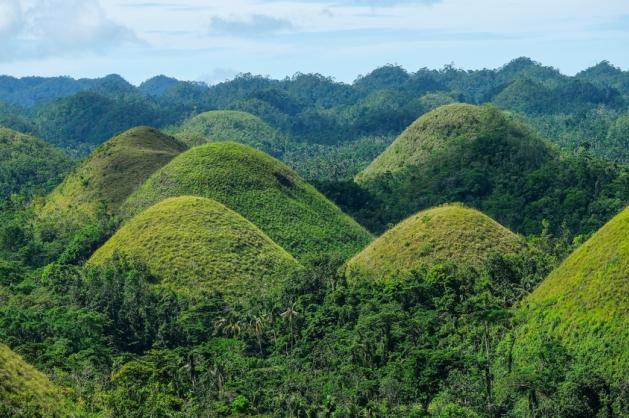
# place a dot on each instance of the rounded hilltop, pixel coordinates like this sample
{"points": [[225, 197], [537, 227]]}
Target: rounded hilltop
{"points": [[196, 246], [445, 234], [263, 190], [231, 125], [107, 177], [476, 155], [454, 129]]}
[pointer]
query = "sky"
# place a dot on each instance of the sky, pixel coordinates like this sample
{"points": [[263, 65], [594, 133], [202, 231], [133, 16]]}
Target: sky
{"points": [[213, 41]]}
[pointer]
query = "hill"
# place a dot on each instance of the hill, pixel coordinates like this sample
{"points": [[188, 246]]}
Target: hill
{"points": [[450, 233], [196, 245], [486, 159], [228, 125], [98, 186], [263, 190], [24, 391], [447, 127], [584, 305], [28, 165]]}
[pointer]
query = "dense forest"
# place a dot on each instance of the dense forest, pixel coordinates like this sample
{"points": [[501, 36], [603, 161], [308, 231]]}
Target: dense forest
{"points": [[439, 243]]}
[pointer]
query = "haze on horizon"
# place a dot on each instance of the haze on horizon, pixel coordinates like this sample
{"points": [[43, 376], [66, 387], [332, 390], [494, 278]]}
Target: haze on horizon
{"points": [[214, 40]]}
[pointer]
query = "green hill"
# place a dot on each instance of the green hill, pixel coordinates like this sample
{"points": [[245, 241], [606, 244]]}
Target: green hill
{"points": [[29, 165], [196, 245], [289, 210], [25, 392], [229, 125], [450, 233], [106, 178], [584, 304], [453, 128], [486, 159]]}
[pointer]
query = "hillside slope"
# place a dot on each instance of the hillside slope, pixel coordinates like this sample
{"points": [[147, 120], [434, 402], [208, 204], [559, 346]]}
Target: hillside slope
{"points": [[24, 391], [584, 304], [196, 246], [450, 233], [106, 178], [263, 190]]}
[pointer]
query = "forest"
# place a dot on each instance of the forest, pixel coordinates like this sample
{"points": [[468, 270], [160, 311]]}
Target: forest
{"points": [[438, 243]]}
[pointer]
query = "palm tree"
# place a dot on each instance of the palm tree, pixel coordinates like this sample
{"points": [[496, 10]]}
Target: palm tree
{"points": [[289, 315]]}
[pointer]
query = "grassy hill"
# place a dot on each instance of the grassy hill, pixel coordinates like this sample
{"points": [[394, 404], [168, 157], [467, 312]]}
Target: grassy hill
{"points": [[261, 189], [25, 392], [107, 177], [196, 245], [450, 233], [229, 125], [29, 165], [486, 159], [449, 128], [584, 304]]}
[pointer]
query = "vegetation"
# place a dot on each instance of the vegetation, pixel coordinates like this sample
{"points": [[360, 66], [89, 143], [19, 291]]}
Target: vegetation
{"points": [[234, 126], [485, 159], [450, 233], [162, 281], [94, 191], [583, 306], [29, 166], [197, 246], [26, 392], [260, 188]]}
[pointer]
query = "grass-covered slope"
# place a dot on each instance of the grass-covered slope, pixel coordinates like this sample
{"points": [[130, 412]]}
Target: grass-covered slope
{"points": [[230, 125], [450, 233], [455, 127], [584, 304], [28, 165], [488, 160], [107, 177], [26, 392], [197, 245], [263, 190]]}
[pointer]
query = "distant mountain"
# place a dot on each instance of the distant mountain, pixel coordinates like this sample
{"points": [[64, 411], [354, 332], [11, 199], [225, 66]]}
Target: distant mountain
{"points": [[157, 85], [29, 91]]}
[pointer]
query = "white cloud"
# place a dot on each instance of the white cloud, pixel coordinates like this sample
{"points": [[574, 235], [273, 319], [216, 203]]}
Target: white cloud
{"points": [[57, 28], [250, 26], [10, 17]]}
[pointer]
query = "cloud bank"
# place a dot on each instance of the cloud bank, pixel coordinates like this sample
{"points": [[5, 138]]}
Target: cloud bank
{"points": [[57, 28]]}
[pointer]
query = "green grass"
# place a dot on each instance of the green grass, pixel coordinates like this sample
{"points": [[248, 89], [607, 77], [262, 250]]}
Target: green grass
{"points": [[449, 126], [196, 245], [26, 392], [450, 233], [263, 190], [107, 177], [584, 303], [28, 165], [229, 125]]}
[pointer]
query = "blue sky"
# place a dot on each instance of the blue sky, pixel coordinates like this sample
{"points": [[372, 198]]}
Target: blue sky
{"points": [[214, 40]]}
